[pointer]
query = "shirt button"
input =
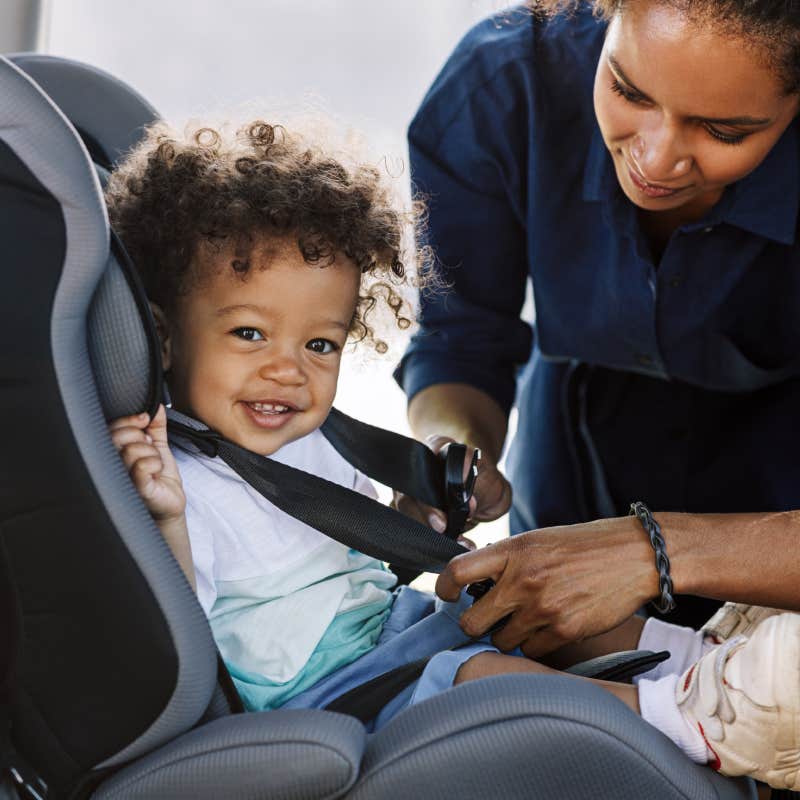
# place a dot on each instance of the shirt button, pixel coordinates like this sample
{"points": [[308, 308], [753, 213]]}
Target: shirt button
{"points": [[644, 360], [676, 281]]}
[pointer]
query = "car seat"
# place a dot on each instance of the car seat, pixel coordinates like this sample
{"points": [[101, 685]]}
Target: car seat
{"points": [[112, 690]]}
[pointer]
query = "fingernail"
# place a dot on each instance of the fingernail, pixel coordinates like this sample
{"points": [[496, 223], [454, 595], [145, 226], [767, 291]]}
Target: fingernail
{"points": [[149, 438], [436, 522]]}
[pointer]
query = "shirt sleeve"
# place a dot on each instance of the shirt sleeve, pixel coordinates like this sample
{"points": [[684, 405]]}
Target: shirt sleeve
{"points": [[468, 152]]}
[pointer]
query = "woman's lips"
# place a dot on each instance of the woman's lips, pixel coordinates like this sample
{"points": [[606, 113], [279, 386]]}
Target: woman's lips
{"points": [[651, 189], [271, 420]]}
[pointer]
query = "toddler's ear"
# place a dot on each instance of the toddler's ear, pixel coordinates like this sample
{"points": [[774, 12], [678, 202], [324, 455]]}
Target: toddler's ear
{"points": [[162, 328]]}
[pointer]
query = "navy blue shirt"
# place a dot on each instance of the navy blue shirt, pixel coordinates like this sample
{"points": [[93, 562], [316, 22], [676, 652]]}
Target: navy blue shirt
{"points": [[676, 382]]}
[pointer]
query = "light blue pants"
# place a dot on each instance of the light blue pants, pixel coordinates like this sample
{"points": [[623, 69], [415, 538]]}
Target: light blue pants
{"points": [[419, 625]]}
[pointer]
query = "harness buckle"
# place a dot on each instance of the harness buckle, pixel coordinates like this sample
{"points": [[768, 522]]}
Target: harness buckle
{"points": [[458, 489]]}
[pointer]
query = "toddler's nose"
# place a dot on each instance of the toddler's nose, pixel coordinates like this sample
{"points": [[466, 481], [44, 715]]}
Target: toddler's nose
{"points": [[283, 368]]}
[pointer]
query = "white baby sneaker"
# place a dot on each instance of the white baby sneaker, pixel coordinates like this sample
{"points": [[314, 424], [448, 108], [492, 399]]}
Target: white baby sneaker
{"points": [[735, 619], [744, 698]]}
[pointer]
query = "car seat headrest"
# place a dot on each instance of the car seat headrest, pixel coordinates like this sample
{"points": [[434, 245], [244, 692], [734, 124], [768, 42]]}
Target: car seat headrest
{"points": [[123, 343], [108, 114], [110, 118]]}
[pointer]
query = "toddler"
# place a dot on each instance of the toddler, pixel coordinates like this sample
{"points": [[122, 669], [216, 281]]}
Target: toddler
{"points": [[262, 256]]}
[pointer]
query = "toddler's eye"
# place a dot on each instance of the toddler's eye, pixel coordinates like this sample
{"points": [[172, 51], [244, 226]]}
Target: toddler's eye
{"points": [[250, 334], [323, 346]]}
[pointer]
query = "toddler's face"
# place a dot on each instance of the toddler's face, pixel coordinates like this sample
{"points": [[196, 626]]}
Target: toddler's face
{"points": [[257, 357]]}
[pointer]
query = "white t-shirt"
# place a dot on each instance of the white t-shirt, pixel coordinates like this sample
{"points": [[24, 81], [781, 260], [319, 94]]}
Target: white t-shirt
{"points": [[287, 604]]}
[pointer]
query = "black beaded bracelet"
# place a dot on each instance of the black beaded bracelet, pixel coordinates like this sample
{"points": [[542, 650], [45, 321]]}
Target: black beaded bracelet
{"points": [[665, 603]]}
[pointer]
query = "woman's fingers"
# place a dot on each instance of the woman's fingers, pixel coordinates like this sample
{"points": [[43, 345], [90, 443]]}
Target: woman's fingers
{"points": [[488, 562], [541, 642], [492, 494]]}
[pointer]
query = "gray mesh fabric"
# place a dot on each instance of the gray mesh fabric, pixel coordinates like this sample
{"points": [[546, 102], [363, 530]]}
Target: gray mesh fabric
{"points": [[274, 755], [118, 346], [541, 737], [95, 102], [35, 129]]}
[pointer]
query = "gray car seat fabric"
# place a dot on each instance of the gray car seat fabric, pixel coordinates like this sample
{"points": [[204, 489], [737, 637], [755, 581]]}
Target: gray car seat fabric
{"points": [[515, 736], [111, 122], [530, 736], [32, 129], [284, 755]]}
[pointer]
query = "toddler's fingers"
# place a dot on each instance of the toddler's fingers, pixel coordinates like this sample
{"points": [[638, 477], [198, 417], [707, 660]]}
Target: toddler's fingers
{"points": [[157, 427], [134, 421], [143, 472], [122, 437], [138, 451]]}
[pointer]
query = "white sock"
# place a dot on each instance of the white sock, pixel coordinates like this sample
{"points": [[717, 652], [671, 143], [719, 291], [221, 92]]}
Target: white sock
{"points": [[659, 708], [686, 646]]}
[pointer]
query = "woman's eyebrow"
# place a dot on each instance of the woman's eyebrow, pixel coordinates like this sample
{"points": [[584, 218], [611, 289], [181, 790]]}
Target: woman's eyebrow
{"points": [[620, 73], [745, 119]]}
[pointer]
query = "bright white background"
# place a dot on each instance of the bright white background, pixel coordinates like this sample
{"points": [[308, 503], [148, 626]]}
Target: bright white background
{"points": [[367, 63]]}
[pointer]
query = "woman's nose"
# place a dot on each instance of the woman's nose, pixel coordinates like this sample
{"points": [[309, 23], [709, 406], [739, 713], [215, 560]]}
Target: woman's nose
{"points": [[659, 157], [283, 367]]}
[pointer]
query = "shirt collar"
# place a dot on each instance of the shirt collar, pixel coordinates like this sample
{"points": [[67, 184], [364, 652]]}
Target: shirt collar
{"points": [[765, 202], [599, 168]]}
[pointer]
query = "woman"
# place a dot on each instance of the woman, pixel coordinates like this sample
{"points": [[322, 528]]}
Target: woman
{"points": [[641, 167]]}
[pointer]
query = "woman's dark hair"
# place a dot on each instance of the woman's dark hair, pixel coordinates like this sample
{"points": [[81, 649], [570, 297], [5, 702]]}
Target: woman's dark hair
{"points": [[771, 25], [174, 196]]}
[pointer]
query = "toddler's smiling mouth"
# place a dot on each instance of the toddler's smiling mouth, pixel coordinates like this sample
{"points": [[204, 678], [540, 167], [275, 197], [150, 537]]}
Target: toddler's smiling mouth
{"points": [[271, 408], [270, 414]]}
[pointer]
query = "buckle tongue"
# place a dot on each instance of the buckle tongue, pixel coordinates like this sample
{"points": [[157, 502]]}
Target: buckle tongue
{"points": [[458, 489]]}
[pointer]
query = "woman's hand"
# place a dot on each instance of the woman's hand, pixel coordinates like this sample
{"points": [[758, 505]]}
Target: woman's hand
{"points": [[559, 584], [491, 496], [142, 443]]}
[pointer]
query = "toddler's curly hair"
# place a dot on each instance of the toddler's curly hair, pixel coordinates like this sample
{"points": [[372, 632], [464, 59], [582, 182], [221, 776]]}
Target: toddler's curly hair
{"points": [[175, 194]]}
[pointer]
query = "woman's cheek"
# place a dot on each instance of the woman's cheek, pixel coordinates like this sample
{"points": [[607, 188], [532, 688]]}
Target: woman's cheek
{"points": [[722, 164]]}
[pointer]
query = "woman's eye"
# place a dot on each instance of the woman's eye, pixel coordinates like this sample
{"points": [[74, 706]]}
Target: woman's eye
{"points": [[625, 92], [323, 346], [728, 138], [249, 334]]}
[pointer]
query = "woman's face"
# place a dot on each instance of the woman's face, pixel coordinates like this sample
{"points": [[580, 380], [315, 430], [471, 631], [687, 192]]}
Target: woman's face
{"points": [[684, 109]]}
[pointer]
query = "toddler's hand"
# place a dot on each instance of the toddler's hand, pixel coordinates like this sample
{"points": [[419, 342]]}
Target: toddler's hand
{"points": [[142, 443]]}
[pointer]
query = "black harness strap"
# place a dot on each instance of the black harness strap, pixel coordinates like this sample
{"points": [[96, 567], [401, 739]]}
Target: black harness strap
{"points": [[389, 458], [351, 518], [357, 521], [365, 701]]}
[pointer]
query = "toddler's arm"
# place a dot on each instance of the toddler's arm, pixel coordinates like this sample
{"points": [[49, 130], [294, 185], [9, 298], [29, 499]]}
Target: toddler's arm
{"points": [[142, 443]]}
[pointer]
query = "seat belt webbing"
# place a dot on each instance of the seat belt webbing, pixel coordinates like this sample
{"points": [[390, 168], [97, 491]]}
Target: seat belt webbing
{"points": [[389, 458], [349, 517]]}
